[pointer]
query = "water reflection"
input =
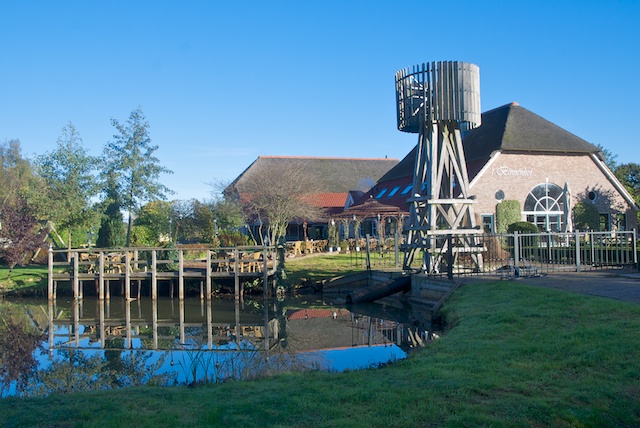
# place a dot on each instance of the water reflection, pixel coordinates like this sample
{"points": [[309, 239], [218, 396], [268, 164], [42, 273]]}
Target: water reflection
{"points": [[91, 344]]}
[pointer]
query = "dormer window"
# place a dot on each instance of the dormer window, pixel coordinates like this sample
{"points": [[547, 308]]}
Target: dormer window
{"points": [[407, 189], [393, 191], [382, 192]]}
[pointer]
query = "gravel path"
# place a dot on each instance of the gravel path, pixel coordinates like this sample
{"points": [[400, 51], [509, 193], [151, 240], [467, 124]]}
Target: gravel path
{"points": [[614, 284]]}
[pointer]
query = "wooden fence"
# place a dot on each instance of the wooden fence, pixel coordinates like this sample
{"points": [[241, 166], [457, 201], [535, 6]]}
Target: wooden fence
{"points": [[156, 264]]}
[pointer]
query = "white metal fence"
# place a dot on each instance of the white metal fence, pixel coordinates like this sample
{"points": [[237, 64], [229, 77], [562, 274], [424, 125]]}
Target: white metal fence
{"points": [[525, 254]]}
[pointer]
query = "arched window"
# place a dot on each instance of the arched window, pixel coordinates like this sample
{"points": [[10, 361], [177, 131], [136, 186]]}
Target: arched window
{"points": [[544, 206]]}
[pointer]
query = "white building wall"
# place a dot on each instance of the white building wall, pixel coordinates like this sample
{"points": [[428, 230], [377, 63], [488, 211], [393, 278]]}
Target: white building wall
{"points": [[517, 174]]}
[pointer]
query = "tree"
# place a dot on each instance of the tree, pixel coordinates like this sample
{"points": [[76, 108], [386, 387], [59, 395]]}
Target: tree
{"points": [[585, 216], [16, 172], [70, 183], [629, 176], [274, 198], [227, 211], [182, 211], [130, 158], [202, 224], [19, 234], [156, 216], [610, 159], [111, 233]]}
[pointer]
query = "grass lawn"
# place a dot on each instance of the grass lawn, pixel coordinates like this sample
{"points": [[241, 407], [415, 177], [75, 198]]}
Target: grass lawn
{"points": [[514, 355], [26, 280], [326, 266], [317, 268]]}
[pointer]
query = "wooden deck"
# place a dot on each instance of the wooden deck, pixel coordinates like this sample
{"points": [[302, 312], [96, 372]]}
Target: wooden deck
{"points": [[127, 265]]}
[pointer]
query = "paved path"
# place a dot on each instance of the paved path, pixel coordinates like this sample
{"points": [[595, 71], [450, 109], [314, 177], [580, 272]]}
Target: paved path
{"points": [[614, 284]]}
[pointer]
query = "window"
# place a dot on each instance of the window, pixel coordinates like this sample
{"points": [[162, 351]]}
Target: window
{"points": [[488, 223], [544, 206], [382, 192], [393, 191], [407, 189]]}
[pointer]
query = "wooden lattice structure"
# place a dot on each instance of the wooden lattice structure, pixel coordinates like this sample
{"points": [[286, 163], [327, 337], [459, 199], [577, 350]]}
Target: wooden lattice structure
{"points": [[438, 100]]}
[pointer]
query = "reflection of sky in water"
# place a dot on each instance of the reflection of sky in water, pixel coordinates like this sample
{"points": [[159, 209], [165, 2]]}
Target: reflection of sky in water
{"points": [[362, 357], [337, 340], [215, 364]]}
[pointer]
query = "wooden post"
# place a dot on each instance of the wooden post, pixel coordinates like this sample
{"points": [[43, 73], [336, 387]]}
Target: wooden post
{"points": [[154, 309], [182, 326], [76, 318], [180, 275], [127, 326], [209, 326], [50, 292], [102, 326], [235, 274], [208, 274], [107, 289], [201, 290], [50, 314], [76, 280], [127, 275], [154, 276], [101, 276]]}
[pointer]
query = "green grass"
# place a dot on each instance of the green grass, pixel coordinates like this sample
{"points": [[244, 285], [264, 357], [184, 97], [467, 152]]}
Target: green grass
{"points": [[25, 280], [514, 355], [317, 268], [326, 266]]}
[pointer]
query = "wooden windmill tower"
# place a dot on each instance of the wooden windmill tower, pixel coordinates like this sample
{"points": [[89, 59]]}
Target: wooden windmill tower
{"points": [[438, 100]]}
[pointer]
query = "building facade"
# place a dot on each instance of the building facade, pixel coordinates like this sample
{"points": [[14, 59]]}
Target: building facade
{"points": [[518, 155]]}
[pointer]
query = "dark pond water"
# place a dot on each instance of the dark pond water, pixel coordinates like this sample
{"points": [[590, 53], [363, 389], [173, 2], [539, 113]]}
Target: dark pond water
{"points": [[66, 345]]}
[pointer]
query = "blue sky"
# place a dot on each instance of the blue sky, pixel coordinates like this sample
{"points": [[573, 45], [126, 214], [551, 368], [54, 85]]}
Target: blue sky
{"points": [[222, 83]]}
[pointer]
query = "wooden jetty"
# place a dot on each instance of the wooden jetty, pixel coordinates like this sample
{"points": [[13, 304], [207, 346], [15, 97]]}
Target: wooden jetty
{"points": [[128, 265]]}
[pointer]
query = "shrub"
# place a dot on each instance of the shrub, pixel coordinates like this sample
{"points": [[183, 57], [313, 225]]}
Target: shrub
{"points": [[507, 213], [522, 227], [232, 238], [586, 216], [525, 227]]}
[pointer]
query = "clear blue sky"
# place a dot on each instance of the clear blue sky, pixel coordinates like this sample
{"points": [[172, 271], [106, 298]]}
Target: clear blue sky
{"points": [[222, 82]]}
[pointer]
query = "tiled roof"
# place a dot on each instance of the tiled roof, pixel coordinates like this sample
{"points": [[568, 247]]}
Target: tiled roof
{"points": [[329, 200], [331, 175]]}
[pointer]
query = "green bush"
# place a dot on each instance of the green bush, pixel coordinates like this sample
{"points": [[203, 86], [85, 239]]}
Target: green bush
{"points": [[232, 238], [507, 213], [522, 227], [586, 216], [525, 227]]}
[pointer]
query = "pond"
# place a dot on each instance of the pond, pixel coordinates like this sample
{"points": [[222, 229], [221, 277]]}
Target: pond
{"points": [[65, 345]]}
